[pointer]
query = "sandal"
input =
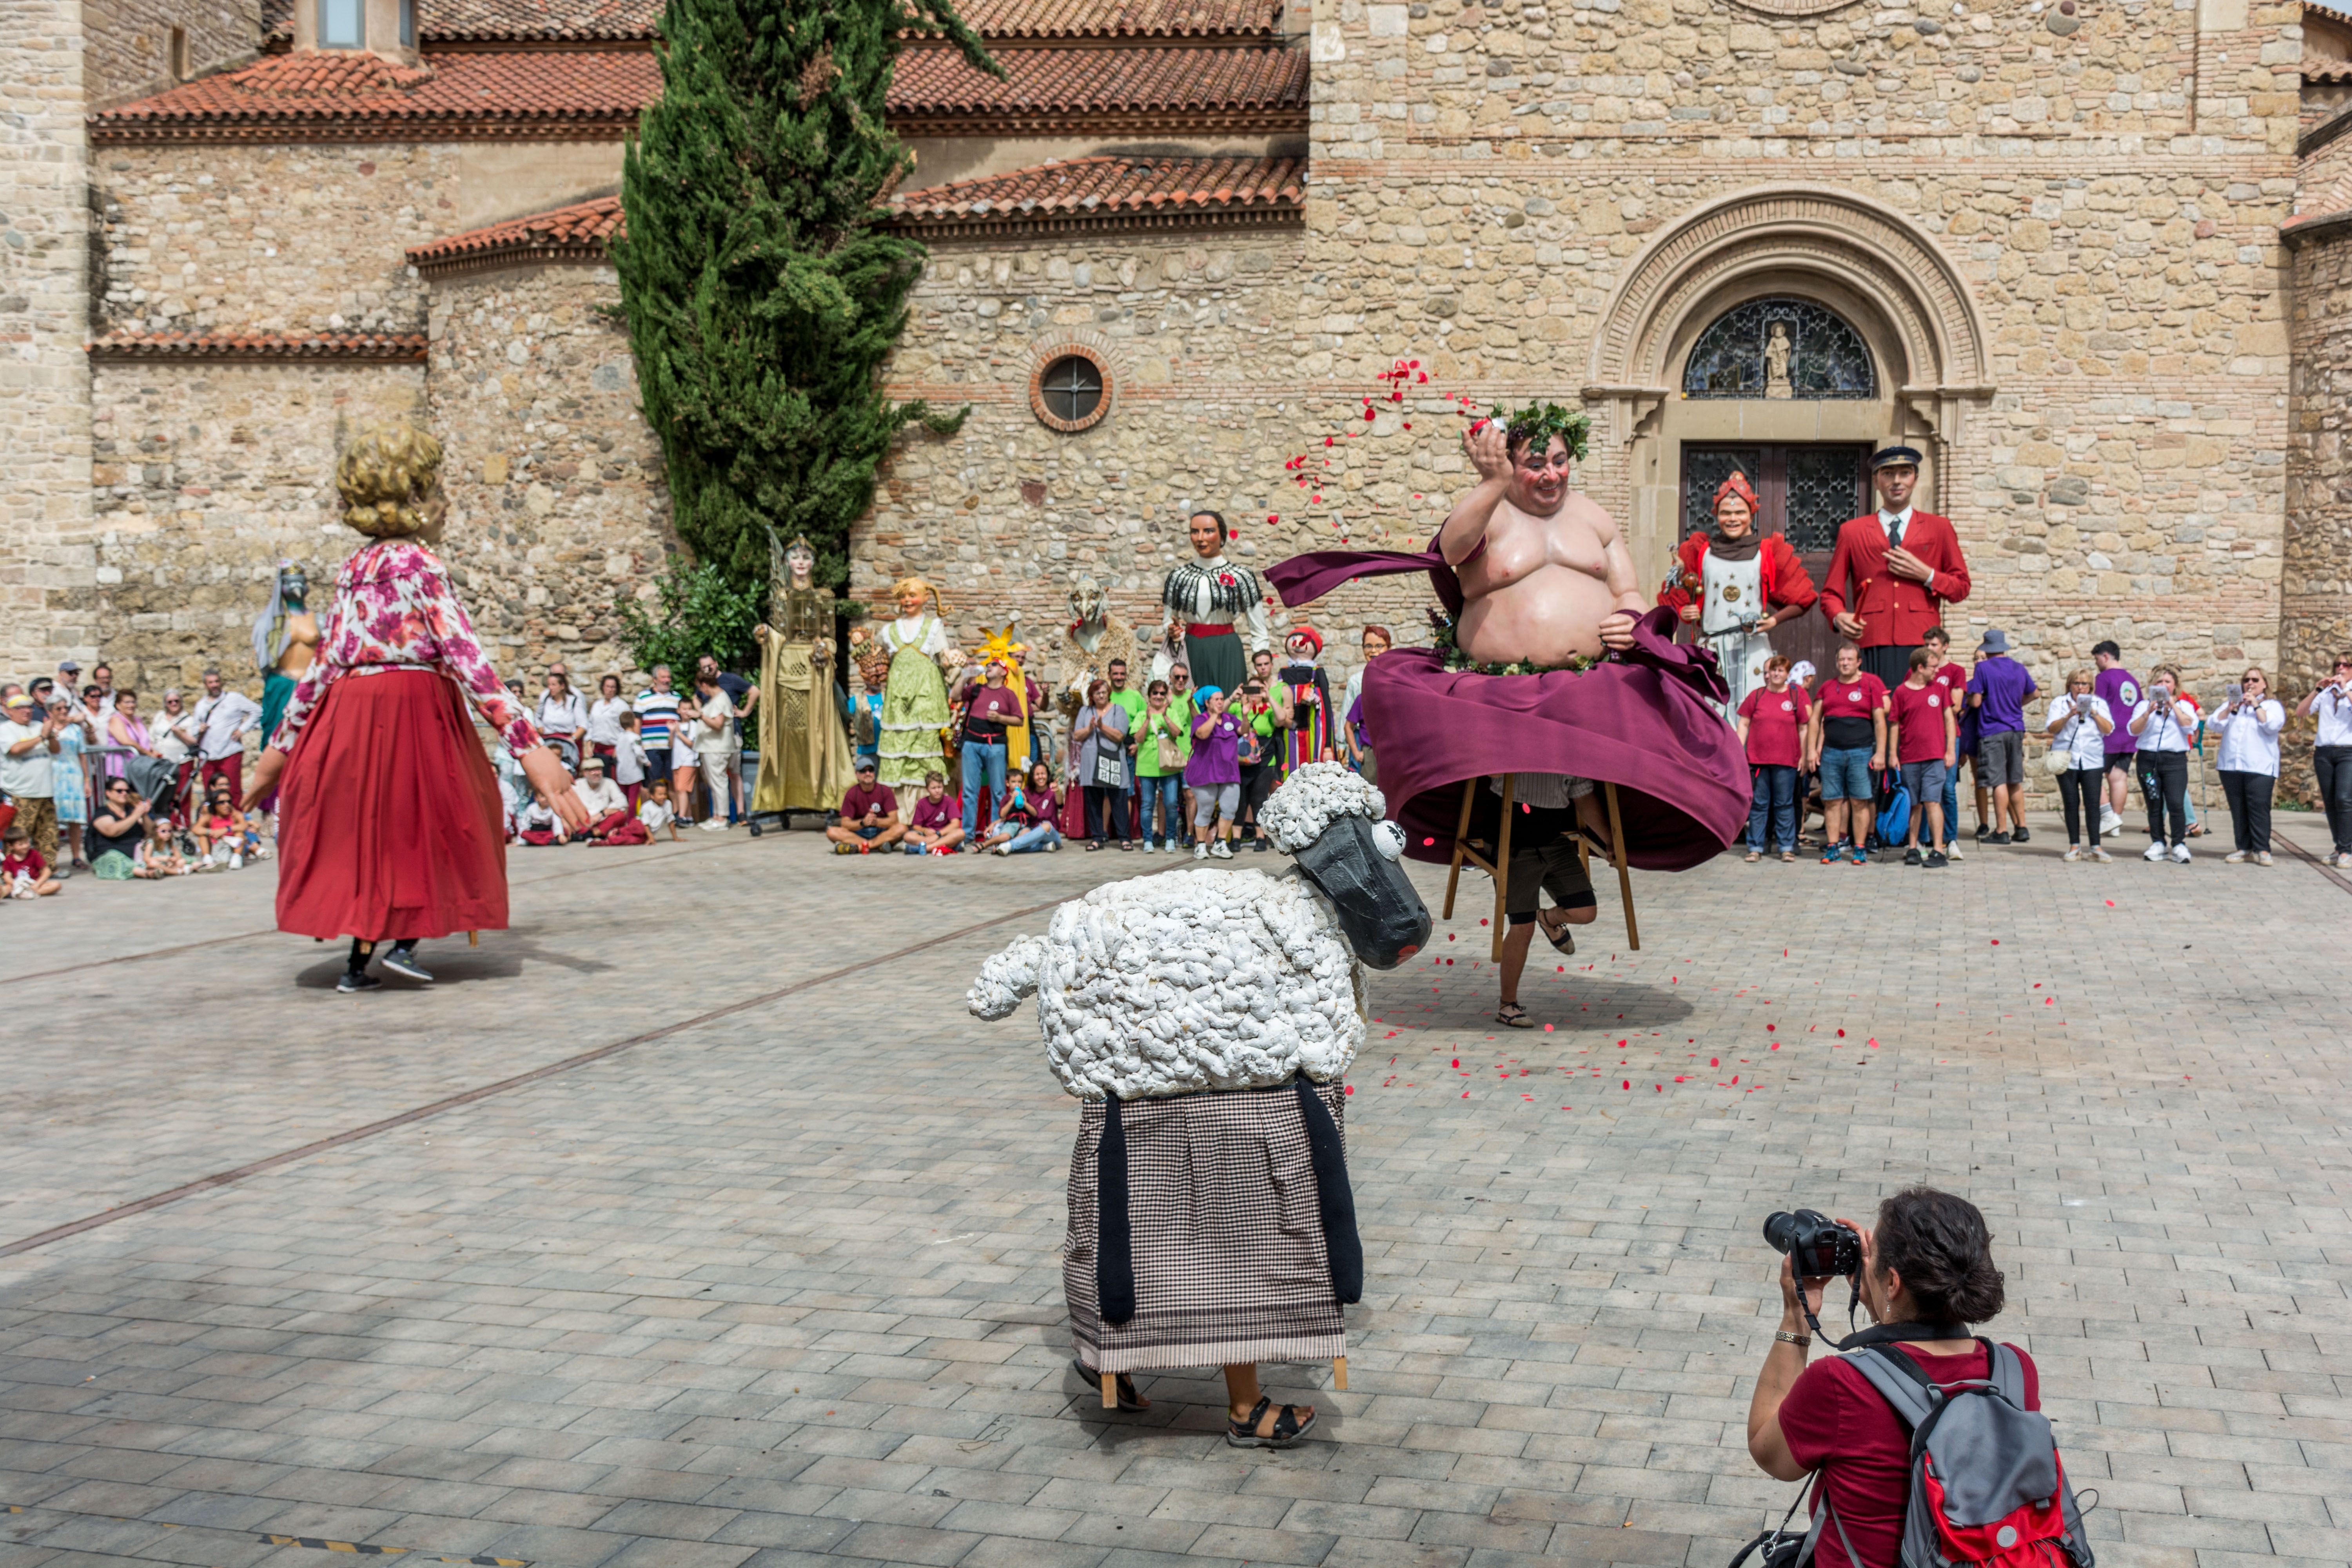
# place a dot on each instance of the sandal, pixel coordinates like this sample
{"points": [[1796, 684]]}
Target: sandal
{"points": [[1753, 856], [1509, 1013], [1270, 1426], [1788, 856], [1093, 844], [1128, 1399], [1562, 938]]}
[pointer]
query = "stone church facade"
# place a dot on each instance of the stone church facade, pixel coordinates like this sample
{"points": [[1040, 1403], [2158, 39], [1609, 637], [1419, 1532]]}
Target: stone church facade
{"points": [[2088, 255]]}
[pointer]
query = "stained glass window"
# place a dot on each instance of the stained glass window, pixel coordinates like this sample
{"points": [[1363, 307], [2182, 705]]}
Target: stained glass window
{"points": [[1825, 488], [1779, 347]]}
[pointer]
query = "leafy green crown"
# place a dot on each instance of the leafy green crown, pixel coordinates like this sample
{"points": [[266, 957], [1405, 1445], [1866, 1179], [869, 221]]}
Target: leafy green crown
{"points": [[1538, 423]]}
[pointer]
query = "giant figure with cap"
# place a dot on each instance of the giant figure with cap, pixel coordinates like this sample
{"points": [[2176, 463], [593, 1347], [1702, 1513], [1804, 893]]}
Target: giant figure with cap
{"points": [[1893, 571]]}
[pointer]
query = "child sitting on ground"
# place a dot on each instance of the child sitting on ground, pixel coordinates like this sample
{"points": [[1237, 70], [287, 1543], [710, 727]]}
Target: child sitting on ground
{"points": [[220, 832], [24, 874], [937, 825], [655, 812]]}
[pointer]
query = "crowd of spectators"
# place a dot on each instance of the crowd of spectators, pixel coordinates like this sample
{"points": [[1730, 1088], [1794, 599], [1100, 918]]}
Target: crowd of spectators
{"points": [[97, 780]]}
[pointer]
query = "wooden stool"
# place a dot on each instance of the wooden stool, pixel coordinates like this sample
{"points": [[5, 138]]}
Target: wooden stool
{"points": [[1499, 867]]}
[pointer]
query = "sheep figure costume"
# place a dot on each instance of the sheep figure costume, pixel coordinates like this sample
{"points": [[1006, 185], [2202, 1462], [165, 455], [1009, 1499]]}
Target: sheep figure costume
{"points": [[1204, 1021]]}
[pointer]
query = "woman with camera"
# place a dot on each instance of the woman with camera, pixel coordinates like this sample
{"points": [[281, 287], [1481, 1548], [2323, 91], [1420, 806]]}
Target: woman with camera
{"points": [[1927, 1266], [2250, 724]]}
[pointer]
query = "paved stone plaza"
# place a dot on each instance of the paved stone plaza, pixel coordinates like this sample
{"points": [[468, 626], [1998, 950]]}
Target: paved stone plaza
{"points": [[779, 1280]]}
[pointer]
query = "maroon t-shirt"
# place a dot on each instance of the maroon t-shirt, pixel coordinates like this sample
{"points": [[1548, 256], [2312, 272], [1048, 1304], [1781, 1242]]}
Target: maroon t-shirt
{"points": [[1920, 710], [1775, 718], [938, 815], [861, 799], [1832, 1416], [1846, 707]]}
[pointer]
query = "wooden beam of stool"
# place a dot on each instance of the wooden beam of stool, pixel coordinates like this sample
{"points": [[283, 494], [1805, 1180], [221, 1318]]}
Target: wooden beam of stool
{"points": [[1340, 1373], [1110, 1390], [1461, 834], [1624, 877], [1502, 871]]}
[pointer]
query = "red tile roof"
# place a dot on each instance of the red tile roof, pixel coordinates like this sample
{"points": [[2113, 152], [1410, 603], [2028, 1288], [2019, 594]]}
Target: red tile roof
{"points": [[1243, 89], [2327, 71], [350, 95], [377, 348], [1092, 191], [576, 233], [1121, 18]]}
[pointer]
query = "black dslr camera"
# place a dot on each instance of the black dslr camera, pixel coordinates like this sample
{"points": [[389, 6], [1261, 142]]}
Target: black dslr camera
{"points": [[1818, 1244]]}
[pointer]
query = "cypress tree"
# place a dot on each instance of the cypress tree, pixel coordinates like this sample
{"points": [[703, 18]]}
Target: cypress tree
{"points": [[761, 292]]}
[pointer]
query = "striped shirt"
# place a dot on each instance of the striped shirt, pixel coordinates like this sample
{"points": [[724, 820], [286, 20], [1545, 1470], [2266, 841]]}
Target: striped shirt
{"points": [[656, 711]]}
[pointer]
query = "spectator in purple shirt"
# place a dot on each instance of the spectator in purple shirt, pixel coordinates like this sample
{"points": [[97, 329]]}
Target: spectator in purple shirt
{"points": [[1998, 692], [2115, 687], [1214, 775]]}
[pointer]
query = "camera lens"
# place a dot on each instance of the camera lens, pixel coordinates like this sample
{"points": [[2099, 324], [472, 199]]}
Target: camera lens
{"points": [[1779, 1231]]}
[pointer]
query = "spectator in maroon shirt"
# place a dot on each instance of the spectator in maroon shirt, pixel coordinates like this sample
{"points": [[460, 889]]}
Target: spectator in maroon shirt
{"points": [[935, 828], [869, 815], [1929, 1262]]}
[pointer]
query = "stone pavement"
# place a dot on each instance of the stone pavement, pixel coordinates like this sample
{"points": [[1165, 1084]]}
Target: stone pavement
{"points": [[782, 1286]]}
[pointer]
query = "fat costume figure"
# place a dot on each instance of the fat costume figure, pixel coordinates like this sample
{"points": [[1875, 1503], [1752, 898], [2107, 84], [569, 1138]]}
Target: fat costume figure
{"points": [[1546, 664], [390, 824], [1210, 1083]]}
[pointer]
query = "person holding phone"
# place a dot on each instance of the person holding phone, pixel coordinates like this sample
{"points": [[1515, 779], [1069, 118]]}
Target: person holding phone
{"points": [[2249, 725], [2160, 726], [1214, 770], [2080, 724], [2331, 756]]}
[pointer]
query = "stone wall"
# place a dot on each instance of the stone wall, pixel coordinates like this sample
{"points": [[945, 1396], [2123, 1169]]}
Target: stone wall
{"points": [[207, 476], [1196, 330], [129, 43], [2316, 611], [44, 311], [557, 504]]}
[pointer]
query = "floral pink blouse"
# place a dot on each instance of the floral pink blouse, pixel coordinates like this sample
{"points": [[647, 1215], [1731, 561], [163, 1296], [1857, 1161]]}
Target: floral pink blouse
{"points": [[394, 607]]}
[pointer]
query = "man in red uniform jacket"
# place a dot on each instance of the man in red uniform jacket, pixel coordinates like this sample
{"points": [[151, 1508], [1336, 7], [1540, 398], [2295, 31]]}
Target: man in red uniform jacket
{"points": [[1893, 571]]}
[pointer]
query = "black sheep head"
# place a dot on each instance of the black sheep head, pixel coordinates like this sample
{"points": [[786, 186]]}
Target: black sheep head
{"points": [[1359, 865]]}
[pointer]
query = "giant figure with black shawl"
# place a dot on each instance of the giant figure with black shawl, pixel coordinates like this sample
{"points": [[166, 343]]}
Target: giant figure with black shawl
{"points": [[1205, 1020]]}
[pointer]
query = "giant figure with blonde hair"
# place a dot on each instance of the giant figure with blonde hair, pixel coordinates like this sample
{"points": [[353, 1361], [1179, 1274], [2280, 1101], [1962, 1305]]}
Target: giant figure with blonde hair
{"points": [[390, 826], [915, 698]]}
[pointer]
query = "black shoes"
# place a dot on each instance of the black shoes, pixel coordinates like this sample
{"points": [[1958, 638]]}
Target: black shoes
{"points": [[1911, 856], [2021, 835], [1997, 839], [402, 963], [357, 979], [1937, 861]]}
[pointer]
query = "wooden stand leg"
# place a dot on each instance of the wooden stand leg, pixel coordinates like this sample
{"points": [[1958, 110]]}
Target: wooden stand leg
{"points": [[1461, 832], [1502, 871], [1110, 1391], [1624, 877], [1340, 1373], [473, 939]]}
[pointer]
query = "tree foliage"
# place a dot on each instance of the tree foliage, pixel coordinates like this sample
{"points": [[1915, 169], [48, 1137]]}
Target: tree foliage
{"points": [[762, 293], [698, 611]]}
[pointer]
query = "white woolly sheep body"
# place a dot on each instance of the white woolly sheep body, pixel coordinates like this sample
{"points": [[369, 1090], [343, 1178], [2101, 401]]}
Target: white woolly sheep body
{"points": [[1312, 798], [1186, 982]]}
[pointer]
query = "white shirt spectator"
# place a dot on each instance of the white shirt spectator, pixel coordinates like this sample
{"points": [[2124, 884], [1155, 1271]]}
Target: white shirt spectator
{"points": [[2168, 723], [2249, 737], [714, 732], [2334, 711], [630, 763], [605, 719], [24, 774], [565, 716], [531, 816], [602, 796], [2078, 738], [656, 814], [176, 739], [223, 718]]}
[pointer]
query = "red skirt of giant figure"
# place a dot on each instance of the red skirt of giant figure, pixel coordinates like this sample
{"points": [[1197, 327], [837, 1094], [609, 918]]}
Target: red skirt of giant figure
{"points": [[1639, 720], [388, 816]]}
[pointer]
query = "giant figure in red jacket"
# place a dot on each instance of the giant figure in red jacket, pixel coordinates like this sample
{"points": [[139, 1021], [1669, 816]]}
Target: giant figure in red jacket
{"points": [[1893, 571]]}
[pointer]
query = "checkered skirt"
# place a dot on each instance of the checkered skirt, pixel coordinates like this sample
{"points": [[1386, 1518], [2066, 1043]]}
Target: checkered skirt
{"points": [[1230, 1260]]}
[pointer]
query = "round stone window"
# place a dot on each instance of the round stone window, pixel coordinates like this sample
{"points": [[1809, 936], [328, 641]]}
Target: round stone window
{"points": [[1071, 392]]}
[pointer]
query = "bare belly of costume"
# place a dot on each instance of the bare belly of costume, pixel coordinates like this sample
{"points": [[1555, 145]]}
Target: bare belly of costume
{"points": [[1548, 618]]}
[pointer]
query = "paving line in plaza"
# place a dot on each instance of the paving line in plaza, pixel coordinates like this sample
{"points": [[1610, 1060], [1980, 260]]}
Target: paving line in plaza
{"points": [[2316, 864], [272, 930], [506, 1085], [312, 1543]]}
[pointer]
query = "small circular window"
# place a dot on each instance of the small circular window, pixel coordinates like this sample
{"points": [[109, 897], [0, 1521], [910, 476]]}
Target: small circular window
{"points": [[1071, 392]]}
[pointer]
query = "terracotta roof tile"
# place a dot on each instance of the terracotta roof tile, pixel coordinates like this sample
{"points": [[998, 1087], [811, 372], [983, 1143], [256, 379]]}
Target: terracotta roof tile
{"points": [[1121, 18], [1111, 189], [933, 83], [383, 348], [578, 233], [2327, 71], [2336, 13], [354, 95], [449, 20]]}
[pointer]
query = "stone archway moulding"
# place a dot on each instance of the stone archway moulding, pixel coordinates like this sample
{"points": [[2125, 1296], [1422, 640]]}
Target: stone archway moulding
{"points": [[1836, 236]]}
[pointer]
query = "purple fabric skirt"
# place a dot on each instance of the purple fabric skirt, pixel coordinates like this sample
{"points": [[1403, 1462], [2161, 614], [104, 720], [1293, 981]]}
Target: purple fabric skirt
{"points": [[1682, 781]]}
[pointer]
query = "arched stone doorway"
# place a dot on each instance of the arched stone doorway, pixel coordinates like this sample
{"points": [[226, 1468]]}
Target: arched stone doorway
{"points": [[1909, 355]]}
